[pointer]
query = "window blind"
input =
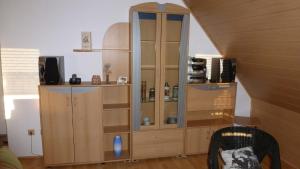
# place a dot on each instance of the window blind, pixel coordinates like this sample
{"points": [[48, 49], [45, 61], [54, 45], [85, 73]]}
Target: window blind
{"points": [[20, 71]]}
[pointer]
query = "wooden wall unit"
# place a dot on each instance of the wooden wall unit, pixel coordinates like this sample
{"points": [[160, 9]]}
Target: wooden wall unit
{"points": [[263, 36]]}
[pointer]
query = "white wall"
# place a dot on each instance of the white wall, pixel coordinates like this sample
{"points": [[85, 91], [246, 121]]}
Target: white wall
{"points": [[53, 27], [2, 114], [243, 101]]}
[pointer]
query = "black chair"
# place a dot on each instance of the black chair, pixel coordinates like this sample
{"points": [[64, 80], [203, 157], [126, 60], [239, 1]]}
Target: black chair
{"points": [[237, 137]]}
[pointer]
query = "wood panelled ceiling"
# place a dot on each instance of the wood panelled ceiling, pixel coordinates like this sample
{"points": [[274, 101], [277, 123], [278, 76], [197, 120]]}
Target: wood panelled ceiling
{"points": [[264, 36]]}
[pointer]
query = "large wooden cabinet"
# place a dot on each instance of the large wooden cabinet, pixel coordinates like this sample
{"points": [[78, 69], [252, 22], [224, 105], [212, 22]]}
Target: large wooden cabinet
{"points": [[80, 122], [71, 124], [159, 43]]}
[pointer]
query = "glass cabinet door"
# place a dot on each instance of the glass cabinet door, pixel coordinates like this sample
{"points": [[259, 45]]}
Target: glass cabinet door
{"points": [[149, 83], [159, 46], [171, 41]]}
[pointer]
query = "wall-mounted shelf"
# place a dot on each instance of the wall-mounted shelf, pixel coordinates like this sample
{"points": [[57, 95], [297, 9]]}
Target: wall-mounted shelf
{"points": [[116, 129], [101, 50]]}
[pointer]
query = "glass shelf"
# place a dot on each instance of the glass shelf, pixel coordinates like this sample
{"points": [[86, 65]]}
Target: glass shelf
{"points": [[153, 101]]}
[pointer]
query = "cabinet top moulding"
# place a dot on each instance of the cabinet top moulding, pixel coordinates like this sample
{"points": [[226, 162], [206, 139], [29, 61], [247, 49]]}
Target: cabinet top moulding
{"points": [[89, 84], [208, 83], [101, 50]]}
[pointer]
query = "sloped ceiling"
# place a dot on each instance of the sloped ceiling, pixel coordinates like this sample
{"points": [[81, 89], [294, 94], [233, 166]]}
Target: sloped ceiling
{"points": [[264, 36]]}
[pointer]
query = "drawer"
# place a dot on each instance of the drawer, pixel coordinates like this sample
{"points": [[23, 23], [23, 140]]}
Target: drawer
{"points": [[158, 143], [197, 140]]}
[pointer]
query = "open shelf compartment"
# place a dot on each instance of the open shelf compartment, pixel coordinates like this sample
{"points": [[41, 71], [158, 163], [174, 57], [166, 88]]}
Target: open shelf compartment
{"points": [[109, 155]]}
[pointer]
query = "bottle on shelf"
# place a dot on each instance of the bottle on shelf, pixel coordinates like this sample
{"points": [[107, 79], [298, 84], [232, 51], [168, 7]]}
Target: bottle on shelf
{"points": [[167, 91], [175, 92], [152, 94], [117, 146], [143, 91]]}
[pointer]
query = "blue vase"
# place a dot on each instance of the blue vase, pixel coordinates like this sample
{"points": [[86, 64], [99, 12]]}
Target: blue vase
{"points": [[117, 146]]}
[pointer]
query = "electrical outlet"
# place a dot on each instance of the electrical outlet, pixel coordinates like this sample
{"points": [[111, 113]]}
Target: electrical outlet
{"points": [[31, 132]]}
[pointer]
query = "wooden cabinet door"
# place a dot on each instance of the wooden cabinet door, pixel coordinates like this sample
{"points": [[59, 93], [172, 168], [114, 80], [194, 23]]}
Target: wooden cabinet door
{"points": [[197, 140], [57, 129], [88, 133]]}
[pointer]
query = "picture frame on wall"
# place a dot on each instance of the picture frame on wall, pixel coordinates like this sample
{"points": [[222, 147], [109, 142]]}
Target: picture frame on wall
{"points": [[86, 40]]}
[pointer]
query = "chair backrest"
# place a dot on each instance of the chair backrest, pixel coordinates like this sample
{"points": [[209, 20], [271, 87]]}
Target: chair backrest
{"points": [[237, 137]]}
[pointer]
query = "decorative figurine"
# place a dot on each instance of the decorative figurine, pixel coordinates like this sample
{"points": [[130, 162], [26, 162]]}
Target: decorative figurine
{"points": [[107, 71], [96, 80]]}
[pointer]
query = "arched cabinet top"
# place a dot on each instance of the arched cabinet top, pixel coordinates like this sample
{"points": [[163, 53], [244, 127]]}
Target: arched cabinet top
{"points": [[163, 8]]}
